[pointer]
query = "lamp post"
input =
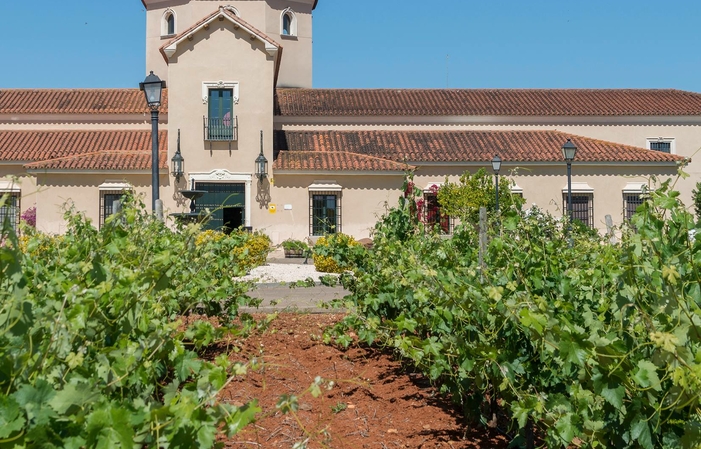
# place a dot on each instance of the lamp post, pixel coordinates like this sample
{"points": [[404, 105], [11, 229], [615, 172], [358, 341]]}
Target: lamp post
{"points": [[569, 150], [261, 162], [177, 163], [496, 166], [153, 89]]}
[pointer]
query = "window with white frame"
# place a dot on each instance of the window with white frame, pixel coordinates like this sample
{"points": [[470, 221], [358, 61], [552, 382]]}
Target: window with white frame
{"points": [[9, 208], [324, 208], [110, 193], [582, 203], [220, 124], [661, 144], [168, 23], [632, 199], [288, 23]]}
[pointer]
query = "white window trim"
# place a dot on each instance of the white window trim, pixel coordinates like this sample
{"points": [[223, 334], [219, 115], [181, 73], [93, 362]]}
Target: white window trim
{"points": [[164, 23], [325, 186], [431, 184], [223, 175], [671, 140], [114, 185], [293, 23], [515, 188], [634, 187], [233, 85], [579, 187], [233, 9], [9, 187]]}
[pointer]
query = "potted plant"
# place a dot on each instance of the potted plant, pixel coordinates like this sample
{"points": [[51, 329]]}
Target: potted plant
{"points": [[294, 248]]}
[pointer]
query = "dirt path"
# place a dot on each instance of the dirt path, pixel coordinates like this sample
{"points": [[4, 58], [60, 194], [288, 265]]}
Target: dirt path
{"points": [[374, 403]]}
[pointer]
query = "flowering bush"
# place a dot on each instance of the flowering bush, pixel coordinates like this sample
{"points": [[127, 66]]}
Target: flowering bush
{"points": [[29, 216], [337, 253]]}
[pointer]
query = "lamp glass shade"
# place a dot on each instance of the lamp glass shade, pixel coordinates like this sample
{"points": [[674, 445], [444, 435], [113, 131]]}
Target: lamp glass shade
{"points": [[496, 163], [178, 163], [569, 150], [152, 88], [261, 166]]}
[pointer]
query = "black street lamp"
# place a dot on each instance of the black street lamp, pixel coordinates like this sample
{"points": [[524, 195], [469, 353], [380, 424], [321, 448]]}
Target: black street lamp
{"points": [[496, 166], [569, 150], [261, 162], [153, 89], [178, 163]]}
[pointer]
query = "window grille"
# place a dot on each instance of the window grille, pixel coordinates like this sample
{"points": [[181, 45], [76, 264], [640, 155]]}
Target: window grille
{"points": [[433, 216], [107, 199], [324, 213], [664, 147], [582, 207], [9, 212], [631, 201]]}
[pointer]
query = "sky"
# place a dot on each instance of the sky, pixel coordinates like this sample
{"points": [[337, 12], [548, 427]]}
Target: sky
{"points": [[390, 44]]}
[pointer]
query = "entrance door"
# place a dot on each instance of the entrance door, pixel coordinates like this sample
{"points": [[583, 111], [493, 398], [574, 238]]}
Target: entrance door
{"points": [[233, 218], [226, 203]]}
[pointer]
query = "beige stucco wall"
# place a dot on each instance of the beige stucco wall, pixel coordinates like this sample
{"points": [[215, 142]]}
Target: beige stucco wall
{"points": [[18, 179], [56, 191], [296, 67], [687, 136]]}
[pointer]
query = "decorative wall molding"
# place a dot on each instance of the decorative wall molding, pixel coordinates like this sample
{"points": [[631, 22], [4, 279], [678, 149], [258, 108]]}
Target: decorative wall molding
{"points": [[233, 85]]}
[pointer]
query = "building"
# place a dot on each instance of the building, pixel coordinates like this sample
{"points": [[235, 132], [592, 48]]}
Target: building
{"points": [[239, 84]]}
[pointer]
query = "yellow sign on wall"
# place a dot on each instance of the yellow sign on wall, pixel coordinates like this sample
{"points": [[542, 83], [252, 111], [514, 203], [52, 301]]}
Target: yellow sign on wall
{"points": [[272, 208]]}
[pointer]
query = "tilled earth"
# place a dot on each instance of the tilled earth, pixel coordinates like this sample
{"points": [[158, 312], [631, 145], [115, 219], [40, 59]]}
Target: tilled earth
{"points": [[374, 402]]}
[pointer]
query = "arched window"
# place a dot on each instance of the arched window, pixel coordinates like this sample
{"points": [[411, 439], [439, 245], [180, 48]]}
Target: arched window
{"points": [[171, 24], [288, 23], [168, 23]]}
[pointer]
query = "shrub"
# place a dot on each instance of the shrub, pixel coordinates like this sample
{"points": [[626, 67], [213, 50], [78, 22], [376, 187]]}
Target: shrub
{"points": [[29, 217], [337, 253], [253, 252], [696, 193], [292, 244]]}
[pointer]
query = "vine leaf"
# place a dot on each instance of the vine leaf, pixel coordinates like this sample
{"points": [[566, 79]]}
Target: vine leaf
{"points": [[646, 376], [640, 431], [614, 396], [11, 420]]}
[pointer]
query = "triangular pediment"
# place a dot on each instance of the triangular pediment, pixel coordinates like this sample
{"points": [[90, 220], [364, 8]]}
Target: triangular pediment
{"points": [[223, 13]]}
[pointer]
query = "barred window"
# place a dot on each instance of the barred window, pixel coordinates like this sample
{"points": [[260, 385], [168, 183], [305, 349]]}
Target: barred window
{"points": [[582, 207], [10, 209], [107, 199], [324, 213], [661, 144], [433, 216], [631, 201]]}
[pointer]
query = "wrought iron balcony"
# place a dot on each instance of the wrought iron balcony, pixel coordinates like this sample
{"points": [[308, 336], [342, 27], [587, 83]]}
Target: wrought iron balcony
{"points": [[218, 129]]}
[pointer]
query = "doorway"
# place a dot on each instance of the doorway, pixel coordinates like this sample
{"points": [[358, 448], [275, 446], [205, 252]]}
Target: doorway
{"points": [[232, 218]]}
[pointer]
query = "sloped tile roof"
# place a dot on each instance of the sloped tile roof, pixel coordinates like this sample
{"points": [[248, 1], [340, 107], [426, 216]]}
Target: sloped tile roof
{"points": [[76, 101], [486, 102], [102, 160], [417, 147], [334, 161], [85, 150]]}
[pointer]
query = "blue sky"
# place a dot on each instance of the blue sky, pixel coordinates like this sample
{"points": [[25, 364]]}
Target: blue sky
{"points": [[391, 43]]}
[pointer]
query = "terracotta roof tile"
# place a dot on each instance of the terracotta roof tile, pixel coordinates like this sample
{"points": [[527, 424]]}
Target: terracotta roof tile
{"points": [[334, 161], [486, 102], [417, 147], [87, 149], [103, 160], [75, 101]]}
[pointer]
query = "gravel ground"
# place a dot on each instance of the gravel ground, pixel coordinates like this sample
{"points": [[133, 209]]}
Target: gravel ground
{"points": [[278, 272]]}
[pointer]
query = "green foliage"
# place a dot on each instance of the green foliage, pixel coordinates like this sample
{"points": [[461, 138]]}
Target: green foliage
{"points": [[696, 194], [337, 253], [246, 250], [597, 345], [292, 244], [464, 198], [91, 354]]}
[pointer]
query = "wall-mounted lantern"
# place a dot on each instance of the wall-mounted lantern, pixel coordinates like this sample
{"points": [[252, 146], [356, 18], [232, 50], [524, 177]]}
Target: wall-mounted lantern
{"points": [[178, 163], [261, 162]]}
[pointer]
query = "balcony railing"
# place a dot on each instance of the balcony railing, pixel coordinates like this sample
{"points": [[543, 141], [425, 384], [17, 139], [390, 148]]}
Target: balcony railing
{"points": [[220, 129]]}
